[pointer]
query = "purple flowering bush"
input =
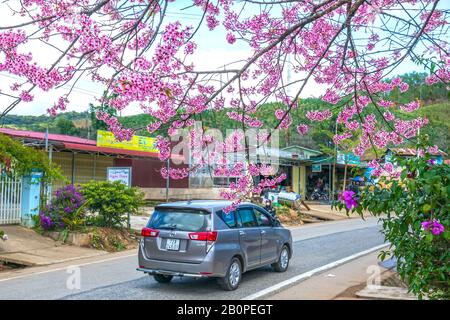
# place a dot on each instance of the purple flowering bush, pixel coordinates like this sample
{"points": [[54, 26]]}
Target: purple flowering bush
{"points": [[349, 199], [413, 207], [65, 210]]}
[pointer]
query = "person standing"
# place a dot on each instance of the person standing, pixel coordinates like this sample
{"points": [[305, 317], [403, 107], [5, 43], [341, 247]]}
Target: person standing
{"points": [[269, 208]]}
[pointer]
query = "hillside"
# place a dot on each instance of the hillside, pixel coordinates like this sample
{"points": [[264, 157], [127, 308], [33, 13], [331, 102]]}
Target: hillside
{"points": [[80, 124], [439, 125], [435, 101]]}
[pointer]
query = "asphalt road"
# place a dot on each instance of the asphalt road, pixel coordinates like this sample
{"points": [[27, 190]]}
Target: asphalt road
{"points": [[314, 246]]}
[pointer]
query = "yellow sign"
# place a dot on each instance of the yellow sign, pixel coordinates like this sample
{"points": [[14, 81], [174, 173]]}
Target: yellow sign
{"points": [[137, 143]]}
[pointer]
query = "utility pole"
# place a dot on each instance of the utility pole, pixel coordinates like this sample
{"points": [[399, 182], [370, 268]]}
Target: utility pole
{"points": [[334, 165], [167, 180], [46, 139], [288, 92], [45, 187]]}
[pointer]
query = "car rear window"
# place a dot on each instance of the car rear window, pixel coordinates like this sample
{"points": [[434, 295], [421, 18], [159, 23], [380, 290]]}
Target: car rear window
{"points": [[181, 220]]}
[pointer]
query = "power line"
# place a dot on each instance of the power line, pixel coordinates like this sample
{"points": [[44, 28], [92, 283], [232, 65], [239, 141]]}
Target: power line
{"points": [[185, 14], [66, 86]]}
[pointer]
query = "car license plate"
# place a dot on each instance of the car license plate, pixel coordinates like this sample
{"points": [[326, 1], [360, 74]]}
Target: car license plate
{"points": [[173, 244]]}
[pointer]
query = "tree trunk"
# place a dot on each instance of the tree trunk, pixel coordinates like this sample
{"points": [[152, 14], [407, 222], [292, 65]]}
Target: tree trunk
{"points": [[345, 176]]}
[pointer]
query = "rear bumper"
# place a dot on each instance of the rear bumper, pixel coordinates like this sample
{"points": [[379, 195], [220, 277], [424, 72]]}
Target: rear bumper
{"points": [[207, 268], [172, 273]]}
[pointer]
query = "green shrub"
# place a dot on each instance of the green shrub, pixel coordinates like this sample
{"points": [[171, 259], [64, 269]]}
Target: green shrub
{"points": [[111, 201], [414, 210]]}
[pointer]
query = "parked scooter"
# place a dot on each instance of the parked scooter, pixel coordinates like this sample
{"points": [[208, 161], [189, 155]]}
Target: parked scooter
{"points": [[319, 195]]}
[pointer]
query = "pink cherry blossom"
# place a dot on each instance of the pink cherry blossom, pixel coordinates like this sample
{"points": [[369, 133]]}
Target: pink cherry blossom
{"points": [[411, 106], [231, 38], [142, 56], [319, 115], [302, 129]]}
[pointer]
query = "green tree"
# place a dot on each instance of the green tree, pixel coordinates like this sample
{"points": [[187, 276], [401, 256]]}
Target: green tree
{"points": [[22, 160], [66, 126], [98, 124]]}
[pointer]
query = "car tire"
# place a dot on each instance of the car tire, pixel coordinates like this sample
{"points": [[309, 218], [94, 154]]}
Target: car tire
{"points": [[161, 278], [233, 276], [283, 260]]}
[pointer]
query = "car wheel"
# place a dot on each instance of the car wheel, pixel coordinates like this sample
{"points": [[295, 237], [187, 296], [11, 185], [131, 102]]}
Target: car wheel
{"points": [[233, 277], [161, 278], [283, 260]]}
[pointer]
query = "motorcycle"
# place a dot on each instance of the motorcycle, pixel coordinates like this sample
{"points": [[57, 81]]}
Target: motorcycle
{"points": [[319, 195]]}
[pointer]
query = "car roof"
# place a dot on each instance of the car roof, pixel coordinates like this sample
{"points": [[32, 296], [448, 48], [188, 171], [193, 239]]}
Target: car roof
{"points": [[201, 204]]}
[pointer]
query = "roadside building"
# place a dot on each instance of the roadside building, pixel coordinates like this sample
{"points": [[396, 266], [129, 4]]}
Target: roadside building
{"points": [[328, 175], [299, 171], [291, 161], [82, 160]]}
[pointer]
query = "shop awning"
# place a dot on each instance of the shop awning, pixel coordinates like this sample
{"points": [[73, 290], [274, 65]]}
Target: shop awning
{"points": [[331, 161]]}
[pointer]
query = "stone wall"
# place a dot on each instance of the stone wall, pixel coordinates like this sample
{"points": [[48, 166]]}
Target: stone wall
{"points": [[182, 193]]}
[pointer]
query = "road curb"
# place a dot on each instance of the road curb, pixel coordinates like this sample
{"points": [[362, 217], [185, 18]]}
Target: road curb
{"points": [[31, 271], [289, 282]]}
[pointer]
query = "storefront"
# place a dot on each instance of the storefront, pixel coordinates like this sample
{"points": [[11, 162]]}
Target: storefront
{"points": [[82, 160], [327, 176]]}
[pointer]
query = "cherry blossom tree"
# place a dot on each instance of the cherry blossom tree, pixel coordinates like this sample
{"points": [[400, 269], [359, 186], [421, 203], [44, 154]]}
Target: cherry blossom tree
{"points": [[140, 56]]}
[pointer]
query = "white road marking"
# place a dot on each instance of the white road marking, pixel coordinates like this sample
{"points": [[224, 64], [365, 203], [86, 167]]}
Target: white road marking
{"points": [[324, 224], [309, 274], [64, 268]]}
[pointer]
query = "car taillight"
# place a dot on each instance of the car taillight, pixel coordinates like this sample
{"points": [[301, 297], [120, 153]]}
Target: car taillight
{"points": [[203, 236], [147, 232]]}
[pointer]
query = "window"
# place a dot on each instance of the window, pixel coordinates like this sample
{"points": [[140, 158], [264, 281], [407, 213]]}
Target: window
{"points": [[181, 220], [228, 218], [246, 217], [262, 219]]}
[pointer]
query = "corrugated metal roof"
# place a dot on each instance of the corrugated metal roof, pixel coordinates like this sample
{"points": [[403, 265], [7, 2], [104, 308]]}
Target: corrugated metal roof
{"points": [[412, 152], [76, 143], [85, 147], [41, 136], [302, 148]]}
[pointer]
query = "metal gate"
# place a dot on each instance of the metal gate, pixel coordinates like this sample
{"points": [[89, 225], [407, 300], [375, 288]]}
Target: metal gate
{"points": [[10, 198]]}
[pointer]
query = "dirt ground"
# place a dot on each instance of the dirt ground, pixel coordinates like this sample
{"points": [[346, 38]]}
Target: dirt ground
{"points": [[294, 217], [112, 240]]}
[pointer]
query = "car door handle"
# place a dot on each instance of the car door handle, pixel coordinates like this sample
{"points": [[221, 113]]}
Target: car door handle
{"points": [[263, 232], [241, 233]]}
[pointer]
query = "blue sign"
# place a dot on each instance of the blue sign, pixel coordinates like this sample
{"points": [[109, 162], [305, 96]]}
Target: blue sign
{"points": [[348, 158], [368, 174]]}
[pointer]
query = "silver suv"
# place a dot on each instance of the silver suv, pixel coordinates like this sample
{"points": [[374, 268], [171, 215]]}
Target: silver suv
{"points": [[198, 239]]}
